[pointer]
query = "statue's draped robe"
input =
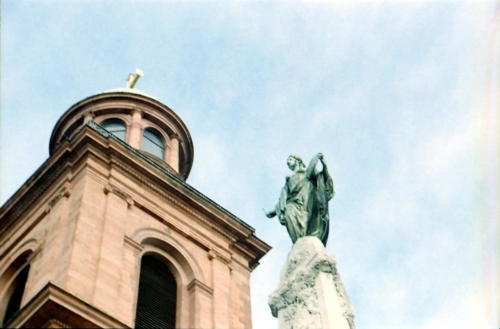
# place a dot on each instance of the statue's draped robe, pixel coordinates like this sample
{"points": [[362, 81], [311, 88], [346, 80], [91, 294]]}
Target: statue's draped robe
{"points": [[303, 205]]}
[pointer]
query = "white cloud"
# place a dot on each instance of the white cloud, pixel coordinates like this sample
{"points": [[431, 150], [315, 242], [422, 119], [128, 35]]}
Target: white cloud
{"points": [[466, 309], [257, 81], [414, 233]]}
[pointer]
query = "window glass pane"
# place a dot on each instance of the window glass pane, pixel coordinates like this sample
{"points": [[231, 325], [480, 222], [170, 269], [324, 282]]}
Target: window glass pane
{"points": [[116, 127], [153, 143], [153, 136]]}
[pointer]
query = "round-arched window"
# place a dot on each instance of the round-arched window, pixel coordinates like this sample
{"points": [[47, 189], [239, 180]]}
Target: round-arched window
{"points": [[15, 294], [115, 126], [153, 142], [156, 300]]}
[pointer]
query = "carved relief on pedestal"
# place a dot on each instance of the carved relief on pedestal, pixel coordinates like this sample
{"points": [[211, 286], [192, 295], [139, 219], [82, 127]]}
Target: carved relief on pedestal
{"points": [[311, 294]]}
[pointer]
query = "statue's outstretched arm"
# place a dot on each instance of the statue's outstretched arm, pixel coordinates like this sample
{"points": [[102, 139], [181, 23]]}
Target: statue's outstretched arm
{"points": [[310, 171], [325, 167], [330, 188]]}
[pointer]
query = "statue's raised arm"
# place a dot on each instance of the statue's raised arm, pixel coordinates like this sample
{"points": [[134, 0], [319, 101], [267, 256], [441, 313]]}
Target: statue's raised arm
{"points": [[303, 203]]}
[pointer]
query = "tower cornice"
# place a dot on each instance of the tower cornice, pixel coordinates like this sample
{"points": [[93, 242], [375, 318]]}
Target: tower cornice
{"points": [[72, 156]]}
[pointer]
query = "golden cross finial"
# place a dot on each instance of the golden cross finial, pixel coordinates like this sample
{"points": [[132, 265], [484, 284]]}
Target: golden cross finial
{"points": [[132, 78]]}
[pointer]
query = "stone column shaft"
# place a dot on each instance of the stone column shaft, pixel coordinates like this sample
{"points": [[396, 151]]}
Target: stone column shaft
{"points": [[135, 130], [173, 153]]}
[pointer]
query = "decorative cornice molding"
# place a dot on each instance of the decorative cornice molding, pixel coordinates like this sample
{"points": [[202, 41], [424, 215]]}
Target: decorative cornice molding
{"points": [[118, 192], [172, 199], [54, 303], [215, 254], [203, 287], [32, 194], [64, 192], [166, 185], [131, 242]]}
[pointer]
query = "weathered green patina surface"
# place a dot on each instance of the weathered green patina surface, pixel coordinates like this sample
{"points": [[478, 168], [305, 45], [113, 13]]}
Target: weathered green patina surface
{"points": [[303, 202]]}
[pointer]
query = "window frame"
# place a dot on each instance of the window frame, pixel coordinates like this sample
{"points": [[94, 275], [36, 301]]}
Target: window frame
{"points": [[160, 136], [121, 121], [13, 285], [168, 266]]}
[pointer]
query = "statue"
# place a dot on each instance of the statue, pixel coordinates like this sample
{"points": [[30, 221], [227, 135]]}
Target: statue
{"points": [[303, 202], [310, 293]]}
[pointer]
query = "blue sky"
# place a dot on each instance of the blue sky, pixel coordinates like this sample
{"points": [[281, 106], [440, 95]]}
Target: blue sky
{"points": [[401, 97]]}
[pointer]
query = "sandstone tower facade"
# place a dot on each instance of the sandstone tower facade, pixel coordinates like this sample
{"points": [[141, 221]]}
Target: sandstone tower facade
{"points": [[107, 233]]}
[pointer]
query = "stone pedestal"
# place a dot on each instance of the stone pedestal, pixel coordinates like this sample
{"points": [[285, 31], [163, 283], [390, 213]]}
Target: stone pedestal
{"points": [[311, 294]]}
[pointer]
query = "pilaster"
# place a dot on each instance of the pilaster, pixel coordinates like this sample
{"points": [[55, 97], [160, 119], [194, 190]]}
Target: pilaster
{"points": [[135, 129], [173, 154]]}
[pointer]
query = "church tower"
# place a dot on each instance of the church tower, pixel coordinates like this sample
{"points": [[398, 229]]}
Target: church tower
{"points": [[107, 233]]}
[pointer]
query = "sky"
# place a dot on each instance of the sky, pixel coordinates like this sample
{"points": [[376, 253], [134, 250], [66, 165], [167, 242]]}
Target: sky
{"points": [[401, 97]]}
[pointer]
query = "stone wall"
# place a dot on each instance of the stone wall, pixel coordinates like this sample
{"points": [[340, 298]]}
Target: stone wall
{"points": [[87, 230]]}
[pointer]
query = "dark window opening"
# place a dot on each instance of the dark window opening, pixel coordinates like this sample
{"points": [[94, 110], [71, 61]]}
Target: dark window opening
{"points": [[14, 303], [156, 302]]}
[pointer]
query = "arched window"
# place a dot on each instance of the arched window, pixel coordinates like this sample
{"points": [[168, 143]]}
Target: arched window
{"points": [[157, 294], [115, 126], [153, 142], [16, 292]]}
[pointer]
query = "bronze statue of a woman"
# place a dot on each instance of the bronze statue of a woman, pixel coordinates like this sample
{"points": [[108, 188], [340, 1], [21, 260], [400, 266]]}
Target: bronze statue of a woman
{"points": [[303, 203]]}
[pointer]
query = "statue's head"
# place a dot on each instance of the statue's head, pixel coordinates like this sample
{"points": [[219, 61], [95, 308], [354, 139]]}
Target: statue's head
{"points": [[295, 163]]}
